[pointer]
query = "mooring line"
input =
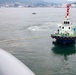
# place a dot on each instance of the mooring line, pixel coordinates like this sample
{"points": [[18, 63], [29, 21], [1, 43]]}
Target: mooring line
{"points": [[28, 38]]}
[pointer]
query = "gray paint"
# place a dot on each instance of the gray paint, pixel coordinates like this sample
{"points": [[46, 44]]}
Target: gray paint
{"points": [[9, 65]]}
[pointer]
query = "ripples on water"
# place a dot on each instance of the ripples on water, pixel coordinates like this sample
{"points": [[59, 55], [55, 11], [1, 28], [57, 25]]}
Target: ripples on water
{"points": [[27, 37], [43, 27]]}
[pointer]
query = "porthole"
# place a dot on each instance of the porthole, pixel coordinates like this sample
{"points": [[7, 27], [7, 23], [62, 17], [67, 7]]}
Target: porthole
{"points": [[69, 27]]}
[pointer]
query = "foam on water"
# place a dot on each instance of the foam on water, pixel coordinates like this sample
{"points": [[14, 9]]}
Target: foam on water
{"points": [[43, 27]]}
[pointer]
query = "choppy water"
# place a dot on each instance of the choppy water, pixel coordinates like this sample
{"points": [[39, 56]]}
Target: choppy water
{"points": [[27, 37]]}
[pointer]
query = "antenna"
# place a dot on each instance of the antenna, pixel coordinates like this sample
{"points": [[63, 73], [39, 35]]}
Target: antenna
{"points": [[67, 12]]}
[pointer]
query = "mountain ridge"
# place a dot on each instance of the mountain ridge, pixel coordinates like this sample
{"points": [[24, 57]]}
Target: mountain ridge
{"points": [[27, 1]]}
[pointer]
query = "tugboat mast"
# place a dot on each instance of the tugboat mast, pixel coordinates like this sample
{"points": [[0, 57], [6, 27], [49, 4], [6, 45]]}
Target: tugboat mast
{"points": [[67, 12]]}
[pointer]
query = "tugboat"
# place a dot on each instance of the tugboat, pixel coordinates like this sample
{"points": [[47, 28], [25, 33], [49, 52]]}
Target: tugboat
{"points": [[66, 32]]}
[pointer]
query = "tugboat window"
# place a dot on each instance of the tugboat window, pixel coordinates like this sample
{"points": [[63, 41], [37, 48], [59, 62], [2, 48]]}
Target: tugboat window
{"points": [[69, 27], [64, 22], [62, 27], [68, 22]]}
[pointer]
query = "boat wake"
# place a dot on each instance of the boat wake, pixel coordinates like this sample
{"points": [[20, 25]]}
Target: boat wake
{"points": [[48, 26]]}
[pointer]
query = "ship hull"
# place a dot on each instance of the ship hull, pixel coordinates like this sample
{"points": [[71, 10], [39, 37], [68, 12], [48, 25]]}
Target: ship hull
{"points": [[64, 40]]}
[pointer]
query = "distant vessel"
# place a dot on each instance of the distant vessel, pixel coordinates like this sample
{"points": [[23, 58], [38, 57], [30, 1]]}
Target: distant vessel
{"points": [[66, 32], [33, 13]]}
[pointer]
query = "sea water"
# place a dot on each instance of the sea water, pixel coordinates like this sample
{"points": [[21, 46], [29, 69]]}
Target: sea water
{"points": [[27, 36]]}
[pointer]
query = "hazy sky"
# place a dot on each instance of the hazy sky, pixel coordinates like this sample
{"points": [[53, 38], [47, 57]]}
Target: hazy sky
{"points": [[60, 1]]}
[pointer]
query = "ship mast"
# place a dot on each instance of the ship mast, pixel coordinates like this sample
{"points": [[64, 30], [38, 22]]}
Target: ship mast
{"points": [[67, 12]]}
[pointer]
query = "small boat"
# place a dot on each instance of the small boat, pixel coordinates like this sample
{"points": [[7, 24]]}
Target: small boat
{"points": [[34, 13], [66, 32]]}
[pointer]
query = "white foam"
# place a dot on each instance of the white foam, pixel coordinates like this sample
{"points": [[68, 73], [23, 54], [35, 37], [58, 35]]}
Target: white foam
{"points": [[34, 28], [44, 27]]}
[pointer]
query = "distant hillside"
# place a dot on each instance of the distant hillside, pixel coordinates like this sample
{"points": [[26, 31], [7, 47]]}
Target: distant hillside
{"points": [[27, 1], [7, 0]]}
